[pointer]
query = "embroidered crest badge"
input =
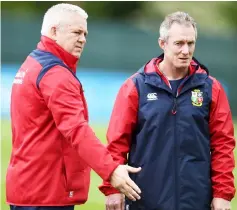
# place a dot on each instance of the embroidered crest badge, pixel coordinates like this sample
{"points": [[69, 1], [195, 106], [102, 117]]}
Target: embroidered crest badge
{"points": [[197, 97]]}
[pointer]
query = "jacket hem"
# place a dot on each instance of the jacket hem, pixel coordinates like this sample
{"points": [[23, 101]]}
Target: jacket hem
{"points": [[46, 204]]}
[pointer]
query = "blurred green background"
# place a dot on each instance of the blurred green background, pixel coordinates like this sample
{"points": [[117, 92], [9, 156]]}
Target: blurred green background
{"points": [[122, 37]]}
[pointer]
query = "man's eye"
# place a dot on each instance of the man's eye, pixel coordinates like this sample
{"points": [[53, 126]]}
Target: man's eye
{"points": [[77, 32]]}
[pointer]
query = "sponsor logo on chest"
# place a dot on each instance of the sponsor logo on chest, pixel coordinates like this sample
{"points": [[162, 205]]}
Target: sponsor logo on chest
{"points": [[152, 96]]}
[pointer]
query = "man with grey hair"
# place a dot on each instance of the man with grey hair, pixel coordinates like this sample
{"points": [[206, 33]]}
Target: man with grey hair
{"points": [[173, 119], [53, 146]]}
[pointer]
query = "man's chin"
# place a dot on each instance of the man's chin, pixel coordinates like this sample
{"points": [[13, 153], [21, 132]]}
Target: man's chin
{"points": [[77, 54], [182, 66]]}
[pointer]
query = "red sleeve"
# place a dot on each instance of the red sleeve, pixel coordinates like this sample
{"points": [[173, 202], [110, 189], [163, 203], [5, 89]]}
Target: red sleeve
{"points": [[222, 144], [122, 123], [62, 94]]}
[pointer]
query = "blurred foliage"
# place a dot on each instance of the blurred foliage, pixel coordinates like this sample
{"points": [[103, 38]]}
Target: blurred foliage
{"points": [[229, 10], [219, 16], [115, 10], [21, 7], [211, 17], [106, 9]]}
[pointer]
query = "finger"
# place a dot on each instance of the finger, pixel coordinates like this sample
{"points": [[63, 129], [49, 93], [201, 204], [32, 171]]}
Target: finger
{"points": [[135, 195], [212, 207], [110, 206], [133, 185], [130, 196], [123, 204], [117, 206], [126, 191], [132, 169], [107, 207], [121, 207], [132, 193]]}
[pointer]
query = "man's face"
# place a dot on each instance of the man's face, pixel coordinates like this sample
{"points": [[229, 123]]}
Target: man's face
{"points": [[180, 45], [72, 35]]}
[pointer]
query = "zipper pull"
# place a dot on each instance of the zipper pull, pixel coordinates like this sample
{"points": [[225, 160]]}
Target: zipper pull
{"points": [[174, 109]]}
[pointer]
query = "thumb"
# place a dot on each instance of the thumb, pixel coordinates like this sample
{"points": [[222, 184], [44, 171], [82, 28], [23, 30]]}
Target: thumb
{"points": [[212, 205], [133, 170]]}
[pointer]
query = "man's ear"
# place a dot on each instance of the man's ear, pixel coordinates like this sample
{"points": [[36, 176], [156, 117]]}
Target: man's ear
{"points": [[53, 33], [161, 43]]}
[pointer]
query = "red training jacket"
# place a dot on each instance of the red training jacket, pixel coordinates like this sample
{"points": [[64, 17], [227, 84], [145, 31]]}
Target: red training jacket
{"points": [[53, 147]]}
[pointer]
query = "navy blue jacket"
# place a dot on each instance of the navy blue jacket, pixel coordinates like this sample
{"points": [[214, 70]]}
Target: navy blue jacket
{"points": [[177, 139]]}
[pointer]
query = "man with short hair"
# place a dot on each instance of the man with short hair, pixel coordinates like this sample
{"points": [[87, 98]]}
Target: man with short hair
{"points": [[174, 121], [53, 147]]}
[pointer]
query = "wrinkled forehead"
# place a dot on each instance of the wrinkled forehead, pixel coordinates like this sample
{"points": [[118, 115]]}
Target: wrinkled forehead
{"points": [[184, 32], [76, 21]]}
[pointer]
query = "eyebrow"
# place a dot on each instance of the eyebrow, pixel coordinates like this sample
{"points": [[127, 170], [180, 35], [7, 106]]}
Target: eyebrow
{"points": [[80, 29], [181, 40]]}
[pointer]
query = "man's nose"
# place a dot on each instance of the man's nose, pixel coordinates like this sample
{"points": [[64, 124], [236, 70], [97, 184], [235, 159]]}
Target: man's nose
{"points": [[185, 49], [82, 39]]}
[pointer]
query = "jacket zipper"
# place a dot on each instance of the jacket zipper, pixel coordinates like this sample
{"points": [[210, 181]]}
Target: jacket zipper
{"points": [[174, 109], [176, 158], [176, 145]]}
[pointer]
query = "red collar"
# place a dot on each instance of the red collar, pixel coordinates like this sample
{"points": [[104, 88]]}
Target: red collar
{"points": [[191, 67], [49, 45], [152, 66]]}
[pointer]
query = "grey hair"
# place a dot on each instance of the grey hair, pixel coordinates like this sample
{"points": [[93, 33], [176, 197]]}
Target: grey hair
{"points": [[181, 18], [57, 14]]}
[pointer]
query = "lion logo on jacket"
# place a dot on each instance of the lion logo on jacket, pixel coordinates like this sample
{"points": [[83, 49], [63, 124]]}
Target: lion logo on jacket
{"points": [[197, 97]]}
